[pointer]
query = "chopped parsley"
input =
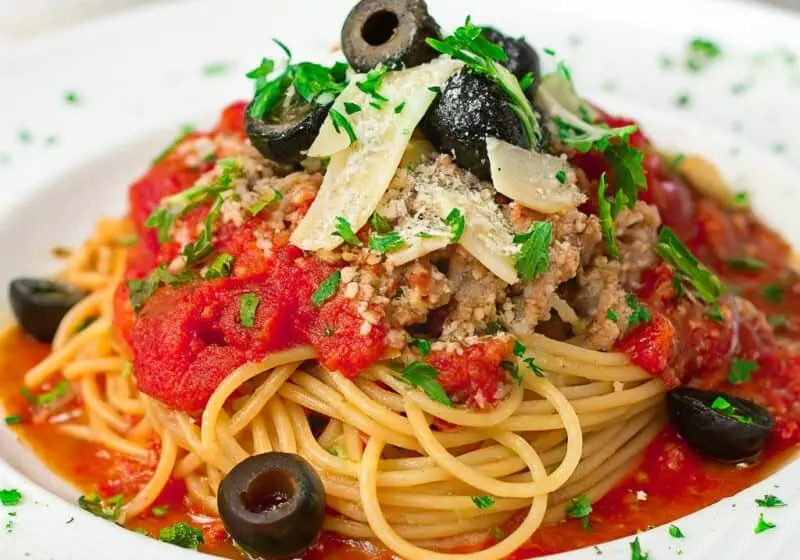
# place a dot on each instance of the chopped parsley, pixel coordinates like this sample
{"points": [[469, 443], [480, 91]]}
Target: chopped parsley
{"points": [[128, 240], [714, 312], [469, 45], [10, 497], [455, 220], [561, 176], [580, 508], [159, 511], [385, 243], [773, 293], [584, 136], [341, 123], [185, 131], [683, 100], [423, 345], [372, 83], [777, 321], [423, 376], [746, 263], [519, 351], [639, 313], [140, 289], [611, 315], [345, 231], [248, 304], [763, 525], [183, 535], [741, 370], [495, 327], [533, 258], [72, 97], [701, 53], [399, 108], [25, 136], [379, 223], [11, 420], [216, 68], [629, 179], [327, 289], [108, 509], [255, 208], [351, 108], [512, 369], [48, 398], [675, 532], [220, 267], [607, 225], [770, 501], [673, 252], [483, 502], [636, 551], [202, 247], [723, 406]]}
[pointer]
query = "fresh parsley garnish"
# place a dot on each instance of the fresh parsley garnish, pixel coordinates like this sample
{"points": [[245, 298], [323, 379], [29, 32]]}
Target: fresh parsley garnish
{"points": [[399, 109], [714, 312], [202, 247], [423, 376], [248, 304], [580, 508], [611, 315], [741, 199], [741, 370], [636, 551], [773, 293], [455, 220], [48, 398], [777, 321], [770, 501], [763, 525], [11, 420], [469, 45], [533, 257], [629, 178], [379, 223], [675, 532], [723, 406], [255, 208], [185, 131], [746, 263], [561, 176], [72, 97], [372, 83], [351, 108], [483, 502], [10, 497], [385, 243], [327, 289], [220, 267], [639, 313], [140, 289], [670, 248], [701, 52], [159, 511], [183, 535], [607, 224], [345, 231], [108, 509], [340, 123], [423, 345]]}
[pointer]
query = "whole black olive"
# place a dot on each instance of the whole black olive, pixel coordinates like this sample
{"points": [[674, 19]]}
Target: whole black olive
{"points": [[272, 504], [522, 58], [388, 32], [40, 304], [726, 428], [287, 131], [470, 108]]}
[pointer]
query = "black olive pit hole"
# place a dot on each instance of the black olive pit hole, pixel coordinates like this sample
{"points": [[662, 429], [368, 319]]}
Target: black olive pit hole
{"points": [[268, 491], [380, 28]]}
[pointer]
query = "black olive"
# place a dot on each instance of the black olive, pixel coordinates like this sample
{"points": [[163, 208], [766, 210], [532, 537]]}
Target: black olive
{"points": [[388, 32], [733, 430], [40, 304], [272, 504], [287, 131], [470, 108], [522, 58]]}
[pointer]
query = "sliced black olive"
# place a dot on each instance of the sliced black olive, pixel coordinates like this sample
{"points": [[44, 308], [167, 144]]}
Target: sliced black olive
{"points": [[470, 108], [388, 32], [40, 304], [288, 130], [522, 58], [726, 428], [272, 504]]}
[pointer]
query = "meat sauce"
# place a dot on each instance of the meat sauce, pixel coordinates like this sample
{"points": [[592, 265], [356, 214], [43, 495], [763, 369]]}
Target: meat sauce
{"points": [[681, 343]]}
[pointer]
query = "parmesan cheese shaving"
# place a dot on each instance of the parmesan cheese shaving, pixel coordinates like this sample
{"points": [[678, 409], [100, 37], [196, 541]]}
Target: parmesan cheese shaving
{"points": [[531, 178], [359, 173]]}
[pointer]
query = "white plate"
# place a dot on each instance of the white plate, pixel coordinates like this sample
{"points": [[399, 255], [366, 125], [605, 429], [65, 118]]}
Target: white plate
{"points": [[140, 75]]}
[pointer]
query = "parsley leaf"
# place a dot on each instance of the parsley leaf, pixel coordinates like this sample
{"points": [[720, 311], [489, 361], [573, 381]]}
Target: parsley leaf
{"points": [[10, 497], [183, 535], [533, 258], [385, 243], [701, 53], [372, 83], [670, 248], [580, 508], [184, 133], [636, 551], [350, 107], [340, 123], [773, 293], [423, 376], [379, 223], [723, 406], [585, 136], [108, 510], [11, 420], [220, 267], [248, 304], [675, 532], [626, 162], [47, 398], [202, 247], [255, 208], [715, 313], [140, 289], [639, 313], [423, 345], [763, 525], [770, 501], [327, 289], [345, 231], [483, 502], [741, 370], [746, 263], [611, 315], [455, 219], [159, 511], [561, 176], [607, 225]]}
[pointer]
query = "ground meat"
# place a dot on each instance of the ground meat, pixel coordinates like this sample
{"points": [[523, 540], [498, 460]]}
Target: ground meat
{"points": [[600, 301], [476, 296], [637, 234], [421, 287]]}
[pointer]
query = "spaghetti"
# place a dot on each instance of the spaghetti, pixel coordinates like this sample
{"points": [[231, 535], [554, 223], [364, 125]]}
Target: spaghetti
{"points": [[576, 431]]}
